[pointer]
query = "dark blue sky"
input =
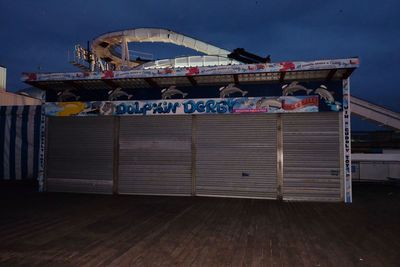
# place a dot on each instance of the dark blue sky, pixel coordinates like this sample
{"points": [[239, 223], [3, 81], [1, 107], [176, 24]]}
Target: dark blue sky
{"points": [[39, 33]]}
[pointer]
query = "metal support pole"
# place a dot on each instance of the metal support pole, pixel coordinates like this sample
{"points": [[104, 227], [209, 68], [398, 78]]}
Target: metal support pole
{"points": [[116, 154], [43, 152], [279, 157], [194, 152], [341, 155]]}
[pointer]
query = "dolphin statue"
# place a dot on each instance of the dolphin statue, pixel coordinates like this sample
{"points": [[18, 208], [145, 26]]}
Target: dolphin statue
{"points": [[117, 93], [171, 91], [289, 89], [230, 89], [323, 92], [67, 94]]}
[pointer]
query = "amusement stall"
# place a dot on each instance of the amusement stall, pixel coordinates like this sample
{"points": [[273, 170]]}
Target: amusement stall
{"points": [[225, 124]]}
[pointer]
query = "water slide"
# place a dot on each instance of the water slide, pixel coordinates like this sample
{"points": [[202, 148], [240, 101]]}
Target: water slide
{"points": [[113, 47], [375, 113]]}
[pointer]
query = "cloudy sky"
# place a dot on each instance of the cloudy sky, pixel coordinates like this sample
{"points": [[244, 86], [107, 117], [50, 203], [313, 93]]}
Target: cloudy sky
{"points": [[38, 34]]}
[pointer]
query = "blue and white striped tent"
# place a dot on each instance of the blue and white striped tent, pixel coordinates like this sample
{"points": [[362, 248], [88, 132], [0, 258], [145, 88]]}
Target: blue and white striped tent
{"points": [[19, 142]]}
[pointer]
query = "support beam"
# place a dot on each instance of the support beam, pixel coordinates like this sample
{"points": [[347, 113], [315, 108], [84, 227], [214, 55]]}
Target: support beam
{"points": [[331, 74], [38, 85], [124, 52], [74, 85], [282, 77], [236, 78], [192, 80], [151, 82], [111, 83], [347, 74]]}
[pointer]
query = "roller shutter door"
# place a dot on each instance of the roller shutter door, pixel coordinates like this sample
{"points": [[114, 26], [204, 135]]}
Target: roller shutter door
{"points": [[236, 155], [79, 153], [311, 160], [155, 155]]}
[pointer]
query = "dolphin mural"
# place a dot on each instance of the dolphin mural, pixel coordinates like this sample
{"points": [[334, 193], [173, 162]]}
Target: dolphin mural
{"points": [[267, 103]]}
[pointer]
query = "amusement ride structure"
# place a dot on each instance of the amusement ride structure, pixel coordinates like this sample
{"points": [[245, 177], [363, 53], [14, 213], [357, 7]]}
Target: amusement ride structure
{"points": [[110, 51], [129, 93]]}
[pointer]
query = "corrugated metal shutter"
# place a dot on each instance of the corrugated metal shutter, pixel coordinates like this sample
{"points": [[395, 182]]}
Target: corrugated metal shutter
{"points": [[80, 154], [155, 155], [236, 155], [311, 156]]}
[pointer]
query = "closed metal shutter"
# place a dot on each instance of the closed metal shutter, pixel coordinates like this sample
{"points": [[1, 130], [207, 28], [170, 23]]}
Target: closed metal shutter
{"points": [[155, 155], [236, 155], [311, 156], [79, 154]]}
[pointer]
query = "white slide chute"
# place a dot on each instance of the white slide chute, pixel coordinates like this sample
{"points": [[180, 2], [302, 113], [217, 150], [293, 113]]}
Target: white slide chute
{"points": [[113, 48]]}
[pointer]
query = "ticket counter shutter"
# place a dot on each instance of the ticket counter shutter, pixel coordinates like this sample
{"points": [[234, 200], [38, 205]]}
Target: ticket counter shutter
{"points": [[311, 156], [236, 155], [79, 154], [155, 155]]}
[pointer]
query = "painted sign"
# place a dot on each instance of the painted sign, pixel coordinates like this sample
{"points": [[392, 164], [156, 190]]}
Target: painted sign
{"points": [[186, 106], [347, 141]]}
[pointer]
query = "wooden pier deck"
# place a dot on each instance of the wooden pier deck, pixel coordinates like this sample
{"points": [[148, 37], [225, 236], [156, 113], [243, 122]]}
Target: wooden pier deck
{"points": [[92, 230]]}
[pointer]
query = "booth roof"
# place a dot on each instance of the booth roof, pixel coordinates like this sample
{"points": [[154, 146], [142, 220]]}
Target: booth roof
{"points": [[282, 72]]}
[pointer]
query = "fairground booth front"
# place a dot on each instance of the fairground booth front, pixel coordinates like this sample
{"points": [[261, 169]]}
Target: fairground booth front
{"points": [[253, 130]]}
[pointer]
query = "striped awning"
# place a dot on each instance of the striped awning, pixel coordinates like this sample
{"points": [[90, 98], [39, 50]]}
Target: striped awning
{"points": [[19, 142]]}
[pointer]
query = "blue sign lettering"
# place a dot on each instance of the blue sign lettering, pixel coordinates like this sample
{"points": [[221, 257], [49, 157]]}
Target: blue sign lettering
{"points": [[189, 107], [210, 106]]}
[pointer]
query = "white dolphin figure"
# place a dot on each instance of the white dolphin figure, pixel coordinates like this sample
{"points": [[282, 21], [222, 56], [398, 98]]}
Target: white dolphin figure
{"points": [[67, 94], [171, 91], [117, 93], [230, 89]]}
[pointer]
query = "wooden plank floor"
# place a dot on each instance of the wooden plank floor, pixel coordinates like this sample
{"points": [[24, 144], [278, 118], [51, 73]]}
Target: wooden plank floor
{"points": [[91, 230]]}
